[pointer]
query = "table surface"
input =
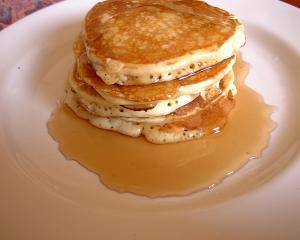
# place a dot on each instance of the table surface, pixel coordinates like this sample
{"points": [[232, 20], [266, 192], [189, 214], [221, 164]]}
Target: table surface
{"points": [[12, 10]]}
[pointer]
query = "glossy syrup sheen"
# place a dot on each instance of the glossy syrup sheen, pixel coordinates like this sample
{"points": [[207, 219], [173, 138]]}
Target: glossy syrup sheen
{"points": [[133, 165]]}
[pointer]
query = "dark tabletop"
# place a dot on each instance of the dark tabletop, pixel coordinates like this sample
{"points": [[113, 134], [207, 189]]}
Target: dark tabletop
{"points": [[12, 10]]}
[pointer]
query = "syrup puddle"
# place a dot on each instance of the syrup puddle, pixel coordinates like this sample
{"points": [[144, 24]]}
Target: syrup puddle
{"points": [[126, 164]]}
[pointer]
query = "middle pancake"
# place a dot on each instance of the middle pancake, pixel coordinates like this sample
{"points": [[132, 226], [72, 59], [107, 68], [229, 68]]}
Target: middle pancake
{"points": [[140, 94], [156, 111]]}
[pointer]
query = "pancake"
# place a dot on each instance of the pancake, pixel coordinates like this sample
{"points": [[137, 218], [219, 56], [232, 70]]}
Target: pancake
{"points": [[94, 102], [209, 119], [194, 84], [133, 42], [162, 69], [192, 108], [91, 101]]}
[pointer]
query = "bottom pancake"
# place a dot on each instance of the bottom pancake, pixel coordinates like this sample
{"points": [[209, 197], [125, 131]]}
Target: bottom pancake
{"points": [[207, 119]]}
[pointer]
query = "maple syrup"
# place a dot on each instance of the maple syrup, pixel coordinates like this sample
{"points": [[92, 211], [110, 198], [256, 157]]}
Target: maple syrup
{"points": [[134, 165]]}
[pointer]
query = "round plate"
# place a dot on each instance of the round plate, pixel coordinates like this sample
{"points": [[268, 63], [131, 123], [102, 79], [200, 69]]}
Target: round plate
{"points": [[44, 196]]}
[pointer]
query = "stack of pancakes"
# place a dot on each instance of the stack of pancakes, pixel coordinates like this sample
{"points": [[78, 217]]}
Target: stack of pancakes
{"points": [[162, 69]]}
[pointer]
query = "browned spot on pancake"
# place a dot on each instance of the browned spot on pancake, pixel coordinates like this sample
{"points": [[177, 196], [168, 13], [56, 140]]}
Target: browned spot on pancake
{"points": [[78, 47], [209, 119], [92, 92], [140, 107], [83, 86], [189, 109]]}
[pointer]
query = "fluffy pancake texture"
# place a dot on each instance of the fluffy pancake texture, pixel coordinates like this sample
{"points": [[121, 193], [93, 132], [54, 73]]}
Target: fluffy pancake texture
{"points": [[189, 125], [161, 69], [156, 91], [94, 102], [140, 42]]}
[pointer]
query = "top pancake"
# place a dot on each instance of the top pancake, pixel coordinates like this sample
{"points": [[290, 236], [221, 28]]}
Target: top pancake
{"points": [[140, 42]]}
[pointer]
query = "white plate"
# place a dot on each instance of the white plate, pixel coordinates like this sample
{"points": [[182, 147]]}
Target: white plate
{"points": [[43, 196]]}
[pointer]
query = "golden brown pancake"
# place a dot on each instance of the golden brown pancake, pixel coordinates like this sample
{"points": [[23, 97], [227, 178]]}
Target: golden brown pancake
{"points": [[99, 106], [89, 94], [156, 91], [199, 103], [141, 42], [209, 118], [93, 102], [191, 25], [162, 69]]}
